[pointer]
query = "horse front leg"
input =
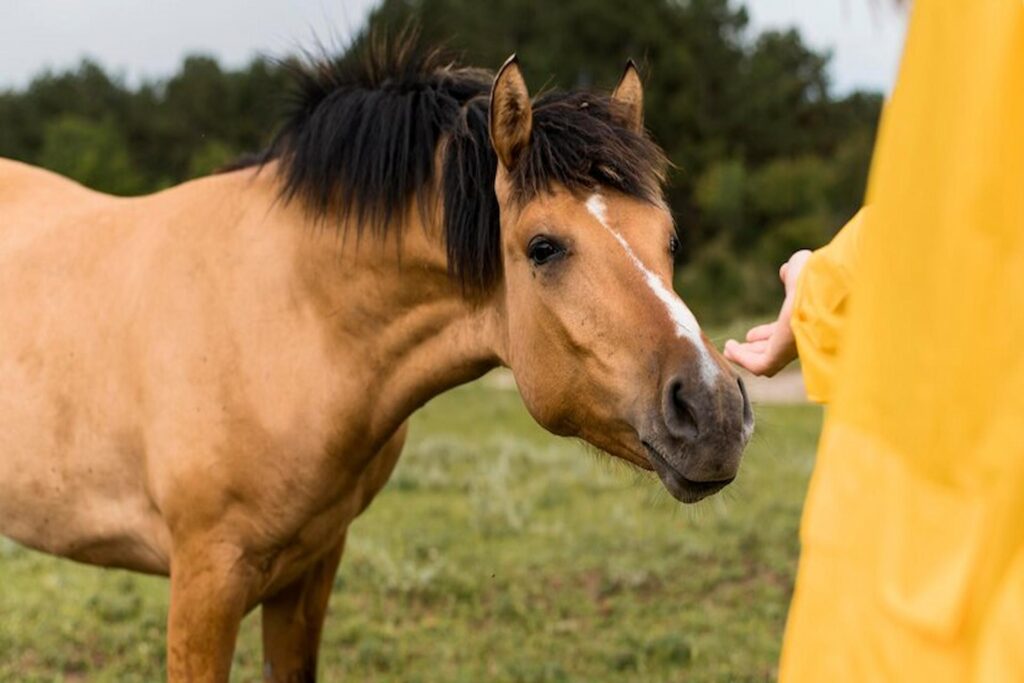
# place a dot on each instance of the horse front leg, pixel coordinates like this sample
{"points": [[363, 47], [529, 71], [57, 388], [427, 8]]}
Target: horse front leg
{"points": [[211, 585], [293, 619]]}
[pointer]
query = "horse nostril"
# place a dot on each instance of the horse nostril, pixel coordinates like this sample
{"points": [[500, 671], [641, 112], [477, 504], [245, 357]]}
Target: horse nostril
{"points": [[748, 411], [680, 417]]}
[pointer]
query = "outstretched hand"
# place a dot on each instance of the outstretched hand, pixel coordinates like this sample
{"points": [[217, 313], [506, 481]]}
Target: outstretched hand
{"points": [[771, 347]]}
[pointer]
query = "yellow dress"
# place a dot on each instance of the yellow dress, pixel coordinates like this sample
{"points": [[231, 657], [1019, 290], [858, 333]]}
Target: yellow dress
{"points": [[910, 325]]}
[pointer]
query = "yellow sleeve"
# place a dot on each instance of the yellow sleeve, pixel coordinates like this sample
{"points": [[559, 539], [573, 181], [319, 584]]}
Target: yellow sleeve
{"points": [[820, 308]]}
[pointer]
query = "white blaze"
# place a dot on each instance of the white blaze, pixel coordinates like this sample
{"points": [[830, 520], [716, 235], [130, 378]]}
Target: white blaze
{"points": [[681, 316]]}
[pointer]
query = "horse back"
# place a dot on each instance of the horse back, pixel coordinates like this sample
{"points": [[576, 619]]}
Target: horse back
{"points": [[23, 186]]}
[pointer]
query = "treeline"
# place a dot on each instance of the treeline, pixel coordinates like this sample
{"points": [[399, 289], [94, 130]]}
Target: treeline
{"points": [[91, 126], [767, 158]]}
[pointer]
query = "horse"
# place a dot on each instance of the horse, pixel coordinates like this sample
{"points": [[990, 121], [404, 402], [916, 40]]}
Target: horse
{"points": [[211, 382]]}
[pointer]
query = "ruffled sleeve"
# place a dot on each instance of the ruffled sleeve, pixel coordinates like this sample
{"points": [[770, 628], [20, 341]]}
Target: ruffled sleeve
{"points": [[822, 299]]}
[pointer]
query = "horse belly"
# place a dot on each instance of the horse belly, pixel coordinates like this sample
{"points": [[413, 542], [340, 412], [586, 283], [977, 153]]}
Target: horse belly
{"points": [[64, 513], [72, 491]]}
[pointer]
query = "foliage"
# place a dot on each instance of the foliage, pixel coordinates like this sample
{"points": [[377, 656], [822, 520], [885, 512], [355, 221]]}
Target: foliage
{"points": [[94, 153], [767, 157], [496, 553], [166, 131]]}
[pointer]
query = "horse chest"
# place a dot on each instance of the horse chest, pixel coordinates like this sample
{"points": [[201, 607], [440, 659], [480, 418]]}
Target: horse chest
{"points": [[314, 533]]}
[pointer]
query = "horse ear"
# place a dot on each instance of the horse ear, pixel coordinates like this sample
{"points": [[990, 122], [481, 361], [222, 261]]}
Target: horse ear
{"points": [[511, 114], [630, 93]]}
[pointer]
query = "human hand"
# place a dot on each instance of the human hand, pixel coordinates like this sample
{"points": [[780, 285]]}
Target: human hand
{"points": [[771, 347]]}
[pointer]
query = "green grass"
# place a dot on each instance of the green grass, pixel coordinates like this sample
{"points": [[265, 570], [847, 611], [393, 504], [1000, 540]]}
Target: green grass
{"points": [[496, 553]]}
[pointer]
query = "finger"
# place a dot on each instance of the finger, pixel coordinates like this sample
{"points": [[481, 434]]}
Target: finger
{"points": [[731, 349], [759, 346], [761, 331], [745, 356]]}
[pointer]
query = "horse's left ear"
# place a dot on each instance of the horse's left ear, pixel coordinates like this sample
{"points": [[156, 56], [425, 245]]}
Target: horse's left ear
{"points": [[630, 93], [511, 114]]}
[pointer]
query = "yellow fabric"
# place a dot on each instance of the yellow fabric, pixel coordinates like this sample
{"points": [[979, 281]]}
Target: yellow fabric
{"points": [[911, 325], [822, 294]]}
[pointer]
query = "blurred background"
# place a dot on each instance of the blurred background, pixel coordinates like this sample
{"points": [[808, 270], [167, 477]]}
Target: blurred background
{"points": [[497, 552], [767, 108]]}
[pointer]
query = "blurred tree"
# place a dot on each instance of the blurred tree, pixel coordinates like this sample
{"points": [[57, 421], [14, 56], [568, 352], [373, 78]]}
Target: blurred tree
{"points": [[721, 196], [789, 187], [210, 157], [785, 103], [94, 154], [86, 92], [850, 165]]}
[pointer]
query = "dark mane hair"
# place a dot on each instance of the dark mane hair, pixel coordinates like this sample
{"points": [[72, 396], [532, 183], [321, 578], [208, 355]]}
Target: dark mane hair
{"points": [[361, 137]]}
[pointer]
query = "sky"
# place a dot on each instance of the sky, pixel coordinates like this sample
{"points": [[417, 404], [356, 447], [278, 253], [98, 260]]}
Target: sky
{"points": [[864, 36], [148, 38]]}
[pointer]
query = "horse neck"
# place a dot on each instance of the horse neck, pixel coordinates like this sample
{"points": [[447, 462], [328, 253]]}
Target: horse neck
{"points": [[392, 313]]}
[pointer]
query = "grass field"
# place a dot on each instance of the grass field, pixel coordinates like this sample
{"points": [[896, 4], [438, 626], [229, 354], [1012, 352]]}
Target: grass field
{"points": [[496, 553]]}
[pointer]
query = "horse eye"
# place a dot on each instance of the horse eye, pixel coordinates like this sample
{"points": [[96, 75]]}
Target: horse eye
{"points": [[673, 245], [543, 249]]}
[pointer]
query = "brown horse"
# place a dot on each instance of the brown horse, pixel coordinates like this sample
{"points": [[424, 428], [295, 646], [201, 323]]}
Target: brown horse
{"points": [[212, 382]]}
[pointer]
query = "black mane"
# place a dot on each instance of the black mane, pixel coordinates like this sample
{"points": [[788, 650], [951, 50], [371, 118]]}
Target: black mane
{"points": [[361, 137]]}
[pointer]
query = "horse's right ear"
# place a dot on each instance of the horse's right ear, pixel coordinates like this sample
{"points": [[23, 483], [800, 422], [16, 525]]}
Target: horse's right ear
{"points": [[511, 114], [630, 94]]}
